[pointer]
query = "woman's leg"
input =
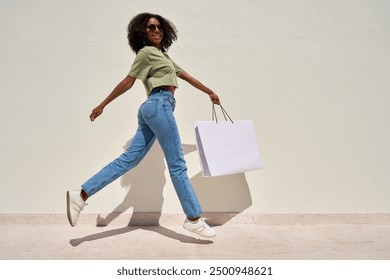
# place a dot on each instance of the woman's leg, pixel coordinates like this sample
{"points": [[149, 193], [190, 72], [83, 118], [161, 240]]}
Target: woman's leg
{"points": [[158, 115], [140, 145]]}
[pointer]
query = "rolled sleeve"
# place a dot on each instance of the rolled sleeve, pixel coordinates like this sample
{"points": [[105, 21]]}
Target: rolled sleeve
{"points": [[141, 66]]}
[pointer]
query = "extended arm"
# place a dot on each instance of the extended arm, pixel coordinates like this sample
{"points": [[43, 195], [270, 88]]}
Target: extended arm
{"points": [[197, 84], [121, 88]]}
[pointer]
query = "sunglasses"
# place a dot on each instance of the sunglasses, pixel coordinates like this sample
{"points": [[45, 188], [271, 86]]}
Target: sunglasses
{"points": [[152, 27]]}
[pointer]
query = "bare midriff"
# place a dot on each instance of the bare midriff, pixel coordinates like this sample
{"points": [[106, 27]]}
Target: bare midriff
{"points": [[171, 89]]}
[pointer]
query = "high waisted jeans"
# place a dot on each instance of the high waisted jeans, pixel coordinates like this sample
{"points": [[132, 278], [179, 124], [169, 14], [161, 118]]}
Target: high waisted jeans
{"points": [[155, 120]]}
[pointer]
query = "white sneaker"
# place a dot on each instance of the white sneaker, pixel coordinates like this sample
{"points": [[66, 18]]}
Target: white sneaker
{"points": [[199, 227], [74, 205]]}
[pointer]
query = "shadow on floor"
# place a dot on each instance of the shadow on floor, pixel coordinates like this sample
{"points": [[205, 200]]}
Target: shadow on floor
{"points": [[158, 229]]}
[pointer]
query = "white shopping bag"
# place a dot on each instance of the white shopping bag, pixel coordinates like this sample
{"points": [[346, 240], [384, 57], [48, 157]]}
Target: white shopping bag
{"points": [[227, 147]]}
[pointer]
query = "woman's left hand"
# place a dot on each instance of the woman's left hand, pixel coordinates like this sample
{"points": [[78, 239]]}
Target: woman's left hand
{"points": [[215, 99]]}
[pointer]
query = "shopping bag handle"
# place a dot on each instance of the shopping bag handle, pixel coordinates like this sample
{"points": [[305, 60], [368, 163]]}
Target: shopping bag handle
{"points": [[224, 113]]}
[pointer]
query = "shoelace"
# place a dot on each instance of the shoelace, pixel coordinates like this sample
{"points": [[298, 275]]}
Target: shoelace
{"points": [[204, 223]]}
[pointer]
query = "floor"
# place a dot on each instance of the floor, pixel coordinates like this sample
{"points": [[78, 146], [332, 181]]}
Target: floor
{"points": [[59, 241]]}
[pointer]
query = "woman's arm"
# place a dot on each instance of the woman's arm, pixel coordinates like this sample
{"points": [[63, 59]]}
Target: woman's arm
{"points": [[197, 84], [121, 88]]}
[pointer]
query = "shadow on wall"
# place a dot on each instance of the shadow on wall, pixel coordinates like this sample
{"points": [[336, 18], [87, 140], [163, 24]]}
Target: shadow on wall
{"points": [[146, 182], [227, 194]]}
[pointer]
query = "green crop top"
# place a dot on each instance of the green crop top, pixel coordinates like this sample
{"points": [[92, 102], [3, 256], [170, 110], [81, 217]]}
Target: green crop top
{"points": [[154, 68]]}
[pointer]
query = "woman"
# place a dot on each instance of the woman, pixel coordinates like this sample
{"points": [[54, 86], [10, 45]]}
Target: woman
{"points": [[150, 36]]}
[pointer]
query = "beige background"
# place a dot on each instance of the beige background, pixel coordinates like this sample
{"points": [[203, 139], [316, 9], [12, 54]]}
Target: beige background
{"points": [[312, 75]]}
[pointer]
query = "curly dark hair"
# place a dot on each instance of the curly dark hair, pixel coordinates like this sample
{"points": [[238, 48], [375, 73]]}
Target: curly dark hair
{"points": [[137, 32]]}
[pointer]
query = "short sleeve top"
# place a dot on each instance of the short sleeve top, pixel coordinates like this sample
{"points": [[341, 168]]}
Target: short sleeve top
{"points": [[155, 68]]}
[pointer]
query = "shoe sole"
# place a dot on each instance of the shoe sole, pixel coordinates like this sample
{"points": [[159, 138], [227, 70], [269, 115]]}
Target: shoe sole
{"points": [[68, 202]]}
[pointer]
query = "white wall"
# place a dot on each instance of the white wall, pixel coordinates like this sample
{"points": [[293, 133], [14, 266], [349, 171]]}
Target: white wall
{"points": [[312, 75]]}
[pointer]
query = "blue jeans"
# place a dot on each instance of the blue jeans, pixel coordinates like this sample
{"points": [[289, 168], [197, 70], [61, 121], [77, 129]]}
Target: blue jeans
{"points": [[155, 120]]}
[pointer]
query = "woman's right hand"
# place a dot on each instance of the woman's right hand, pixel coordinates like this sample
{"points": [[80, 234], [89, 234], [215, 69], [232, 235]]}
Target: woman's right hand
{"points": [[96, 112]]}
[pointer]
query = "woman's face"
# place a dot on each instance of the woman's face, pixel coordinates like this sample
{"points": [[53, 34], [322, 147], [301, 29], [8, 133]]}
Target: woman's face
{"points": [[154, 32]]}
